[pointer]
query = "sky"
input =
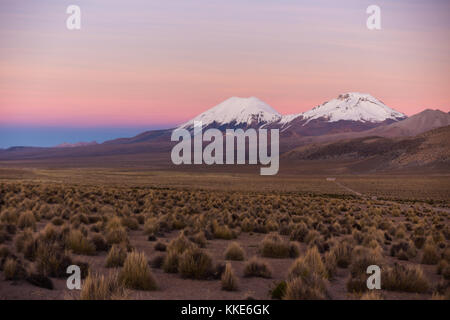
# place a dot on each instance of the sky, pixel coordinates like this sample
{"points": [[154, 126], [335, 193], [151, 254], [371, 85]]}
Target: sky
{"points": [[144, 64]]}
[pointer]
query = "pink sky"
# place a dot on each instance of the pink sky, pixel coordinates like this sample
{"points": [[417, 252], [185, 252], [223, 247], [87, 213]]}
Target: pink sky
{"points": [[154, 62]]}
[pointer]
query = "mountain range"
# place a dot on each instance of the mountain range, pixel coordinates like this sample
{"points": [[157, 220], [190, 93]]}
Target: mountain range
{"points": [[353, 126]]}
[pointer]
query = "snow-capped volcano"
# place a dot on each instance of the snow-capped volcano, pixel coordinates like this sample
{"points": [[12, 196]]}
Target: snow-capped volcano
{"points": [[238, 112], [348, 112], [354, 107]]}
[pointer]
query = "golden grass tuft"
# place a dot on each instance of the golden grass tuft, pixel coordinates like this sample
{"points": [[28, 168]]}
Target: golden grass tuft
{"points": [[195, 264], [116, 256], [99, 287], [235, 252], [228, 280], [136, 273], [257, 268]]}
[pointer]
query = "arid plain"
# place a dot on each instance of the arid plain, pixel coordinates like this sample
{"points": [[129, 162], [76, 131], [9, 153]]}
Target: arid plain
{"points": [[200, 233]]}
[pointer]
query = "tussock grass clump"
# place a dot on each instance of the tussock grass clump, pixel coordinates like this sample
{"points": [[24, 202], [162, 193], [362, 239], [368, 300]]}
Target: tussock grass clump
{"points": [[4, 252], [9, 216], [195, 264], [151, 226], [170, 264], [52, 261], [199, 239], [116, 256], [13, 270], [228, 280], [136, 273], [330, 264], [223, 232], [310, 263], [175, 249], [364, 257], [343, 254], [99, 287], [99, 242], [116, 232], [273, 246], [180, 244], [299, 232], [406, 279], [310, 288], [235, 252], [27, 220], [79, 244], [130, 223], [257, 268], [23, 240], [430, 254], [50, 233], [403, 250], [443, 268]]}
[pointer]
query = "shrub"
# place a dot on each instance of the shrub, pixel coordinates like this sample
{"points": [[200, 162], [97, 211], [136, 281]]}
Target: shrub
{"points": [[199, 239], [52, 261], [26, 220], [273, 246], [115, 231], [9, 268], [310, 288], [50, 233], [151, 226], [299, 232], [229, 280], [223, 232], [136, 273], [79, 244], [13, 270], [343, 254], [99, 242], [357, 283], [430, 254], [9, 216], [116, 235], [99, 287], [364, 257], [330, 264], [195, 264], [257, 268], [4, 252], [130, 222], [443, 268], [24, 241], [405, 278], [116, 256], [170, 264], [311, 263], [180, 244], [234, 252]]}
